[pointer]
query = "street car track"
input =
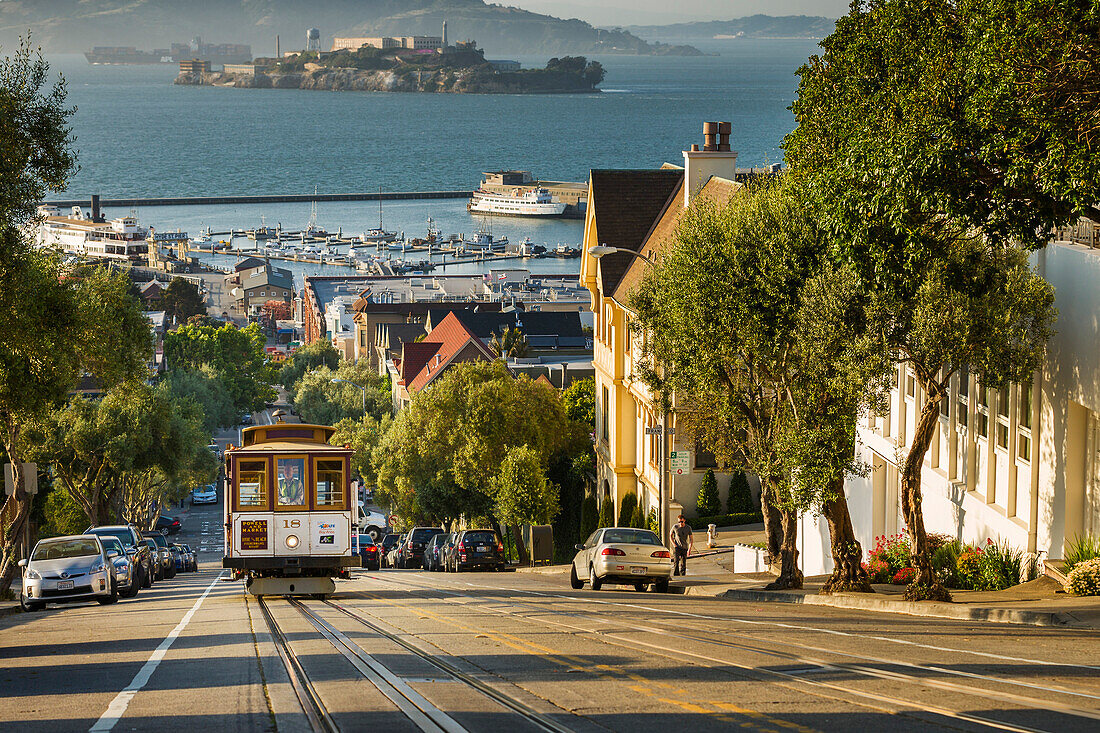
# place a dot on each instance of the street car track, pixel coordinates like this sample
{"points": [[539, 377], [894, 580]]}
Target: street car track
{"points": [[421, 712], [808, 664]]}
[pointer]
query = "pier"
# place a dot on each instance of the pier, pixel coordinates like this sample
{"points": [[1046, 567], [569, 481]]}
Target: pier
{"points": [[264, 198]]}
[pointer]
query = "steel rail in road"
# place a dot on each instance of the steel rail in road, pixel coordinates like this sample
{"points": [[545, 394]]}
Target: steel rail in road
{"points": [[530, 714], [807, 663], [315, 711]]}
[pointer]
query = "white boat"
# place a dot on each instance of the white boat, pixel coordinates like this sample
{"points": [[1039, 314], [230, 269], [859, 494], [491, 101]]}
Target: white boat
{"points": [[119, 239], [378, 235], [483, 242], [530, 202]]}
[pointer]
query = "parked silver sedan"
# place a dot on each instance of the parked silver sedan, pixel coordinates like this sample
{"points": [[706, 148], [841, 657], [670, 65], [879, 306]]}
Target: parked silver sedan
{"points": [[64, 569], [623, 556]]}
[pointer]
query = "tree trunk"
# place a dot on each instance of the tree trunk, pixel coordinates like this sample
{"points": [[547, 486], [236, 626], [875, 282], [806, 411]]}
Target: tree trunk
{"points": [[848, 576], [12, 535], [925, 586], [517, 535], [789, 574], [773, 522]]}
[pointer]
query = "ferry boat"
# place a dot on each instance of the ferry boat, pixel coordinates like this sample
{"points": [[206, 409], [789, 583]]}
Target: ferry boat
{"points": [[531, 202], [119, 239]]}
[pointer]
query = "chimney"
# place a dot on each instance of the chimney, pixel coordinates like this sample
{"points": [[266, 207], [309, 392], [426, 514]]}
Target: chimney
{"points": [[96, 217], [715, 159], [278, 53]]}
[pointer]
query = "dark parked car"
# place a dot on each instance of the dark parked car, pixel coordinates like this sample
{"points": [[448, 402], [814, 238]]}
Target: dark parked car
{"points": [[446, 549], [411, 552], [385, 546], [368, 553], [171, 525], [139, 553], [431, 552], [477, 548], [192, 558], [167, 562]]}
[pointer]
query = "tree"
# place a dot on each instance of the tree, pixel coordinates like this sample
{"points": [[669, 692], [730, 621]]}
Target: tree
{"points": [[579, 399], [320, 353], [626, 508], [926, 133], [510, 344], [637, 518], [739, 500], [235, 355], [204, 388], [590, 516], [607, 512], [363, 435], [521, 493], [440, 457], [766, 347], [708, 504], [181, 300], [318, 400]]}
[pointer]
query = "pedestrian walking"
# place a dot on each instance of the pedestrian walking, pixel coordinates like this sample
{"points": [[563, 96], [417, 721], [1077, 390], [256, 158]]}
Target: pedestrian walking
{"points": [[682, 543]]}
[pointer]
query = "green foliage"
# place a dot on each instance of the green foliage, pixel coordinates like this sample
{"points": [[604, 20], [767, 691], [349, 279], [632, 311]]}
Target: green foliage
{"points": [[607, 512], [1000, 566], [521, 494], [181, 300], [590, 516], [204, 388], [235, 356], [318, 400], [320, 353], [62, 515], [708, 503], [363, 435], [579, 399], [1080, 548], [440, 457], [651, 521], [739, 500], [627, 506], [1084, 579], [511, 344], [725, 520], [637, 518], [945, 561]]}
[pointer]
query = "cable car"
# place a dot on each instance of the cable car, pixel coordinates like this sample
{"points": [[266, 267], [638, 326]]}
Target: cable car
{"points": [[288, 510]]}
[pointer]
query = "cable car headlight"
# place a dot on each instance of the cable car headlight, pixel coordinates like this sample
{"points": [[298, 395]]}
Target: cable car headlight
{"points": [[292, 541]]}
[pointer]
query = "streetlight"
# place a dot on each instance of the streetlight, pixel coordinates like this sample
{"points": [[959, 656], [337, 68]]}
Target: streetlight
{"points": [[598, 251], [353, 384]]}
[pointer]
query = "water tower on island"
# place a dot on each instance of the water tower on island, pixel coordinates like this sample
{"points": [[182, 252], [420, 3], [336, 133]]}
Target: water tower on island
{"points": [[313, 40]]}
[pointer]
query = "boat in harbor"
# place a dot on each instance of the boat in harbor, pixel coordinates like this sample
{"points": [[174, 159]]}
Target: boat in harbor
{"points": [[520, 202], [81, 234]]}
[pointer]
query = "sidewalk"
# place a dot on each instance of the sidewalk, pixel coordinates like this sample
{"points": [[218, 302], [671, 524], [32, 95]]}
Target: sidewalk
{"points": [[1037, 603]]}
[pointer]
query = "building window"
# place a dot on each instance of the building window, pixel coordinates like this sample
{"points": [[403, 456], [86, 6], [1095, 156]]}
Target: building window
{"points": [[983, 425], [1025, 406], [704, 458], [1002, 402], [604, 432], [329, 486], [1023, 443], [910, 386], [1002, 435]]}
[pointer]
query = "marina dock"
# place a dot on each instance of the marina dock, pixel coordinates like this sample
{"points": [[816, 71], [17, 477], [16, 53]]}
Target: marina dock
{"points": [[264, 198]]}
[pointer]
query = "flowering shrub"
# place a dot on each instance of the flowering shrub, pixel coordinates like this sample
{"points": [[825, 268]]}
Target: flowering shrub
{"points": [[879, 571], [904, 576], [969, 566], [1084, 579], [892, 550]]}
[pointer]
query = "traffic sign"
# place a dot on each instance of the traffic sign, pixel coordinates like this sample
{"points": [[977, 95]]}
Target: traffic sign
{"points": [[681, 462]]}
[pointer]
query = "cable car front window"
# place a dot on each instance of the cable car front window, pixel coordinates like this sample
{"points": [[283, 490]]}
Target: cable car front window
{"points": [[330, 484], [292, 488], [252, 486]]}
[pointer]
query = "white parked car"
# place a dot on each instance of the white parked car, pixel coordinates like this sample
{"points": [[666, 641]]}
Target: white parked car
{"points": [[64, 569], [207, 494], [373, 524], [623, 556]]}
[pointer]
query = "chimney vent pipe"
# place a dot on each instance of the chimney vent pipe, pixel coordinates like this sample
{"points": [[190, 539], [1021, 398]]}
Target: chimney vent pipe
{"points": [[724, 130], [710, 134]]}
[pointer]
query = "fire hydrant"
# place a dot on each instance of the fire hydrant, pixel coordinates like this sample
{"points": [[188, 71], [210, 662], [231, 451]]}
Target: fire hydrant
{"points": [[712, 535]]}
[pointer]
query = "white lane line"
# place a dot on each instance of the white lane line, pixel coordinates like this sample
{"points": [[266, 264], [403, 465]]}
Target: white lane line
{"points": [[118, 706]]}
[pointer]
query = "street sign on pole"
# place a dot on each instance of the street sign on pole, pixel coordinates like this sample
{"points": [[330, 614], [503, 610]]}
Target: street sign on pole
{"points": [[680, 462]]}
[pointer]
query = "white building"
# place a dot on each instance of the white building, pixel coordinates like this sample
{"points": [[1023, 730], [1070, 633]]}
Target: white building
{"points": [[1020, 464]]}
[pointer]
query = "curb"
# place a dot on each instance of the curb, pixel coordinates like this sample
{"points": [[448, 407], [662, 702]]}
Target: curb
{"points": [[9, 610], [910, 608]]}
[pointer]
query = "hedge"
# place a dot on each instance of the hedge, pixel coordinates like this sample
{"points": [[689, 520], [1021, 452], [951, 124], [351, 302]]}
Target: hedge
{"points": [[726, 520]]}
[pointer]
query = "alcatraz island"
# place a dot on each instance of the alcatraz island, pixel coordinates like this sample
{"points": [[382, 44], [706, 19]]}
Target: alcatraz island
{"points": [[403, 64]]}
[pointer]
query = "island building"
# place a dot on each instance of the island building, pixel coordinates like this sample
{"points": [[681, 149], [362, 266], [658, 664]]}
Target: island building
{"points": [[194, 66], [1019, 465], [439, 44], [638, 211]]}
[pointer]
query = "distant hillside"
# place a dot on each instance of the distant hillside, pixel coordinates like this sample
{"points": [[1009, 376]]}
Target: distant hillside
{"points": [[78, 25], [753, 26]]}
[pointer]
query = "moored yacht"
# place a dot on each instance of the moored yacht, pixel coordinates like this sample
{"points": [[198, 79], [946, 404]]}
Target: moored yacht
{"points": [[533, 202], [119, 239]]}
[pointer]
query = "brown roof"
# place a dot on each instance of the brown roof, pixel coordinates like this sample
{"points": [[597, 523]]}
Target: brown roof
{"points": [[661, 234], [626, 204], [447, 343]]}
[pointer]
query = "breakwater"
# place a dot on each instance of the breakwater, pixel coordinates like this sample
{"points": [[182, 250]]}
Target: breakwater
{"points": [[265, 198]]}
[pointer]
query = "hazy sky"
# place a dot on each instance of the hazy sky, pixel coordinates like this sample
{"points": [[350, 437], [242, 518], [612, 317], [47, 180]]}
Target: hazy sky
{"points": [[645, 12]]}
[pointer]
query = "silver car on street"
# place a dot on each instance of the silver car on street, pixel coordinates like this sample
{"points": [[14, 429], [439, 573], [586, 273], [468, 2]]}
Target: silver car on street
{"points": [[65, 569], [623, 556]]}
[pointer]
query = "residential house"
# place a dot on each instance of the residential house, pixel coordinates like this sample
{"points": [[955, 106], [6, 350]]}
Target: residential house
{"points": [[422, 362], [637, 210], [261, 284]]}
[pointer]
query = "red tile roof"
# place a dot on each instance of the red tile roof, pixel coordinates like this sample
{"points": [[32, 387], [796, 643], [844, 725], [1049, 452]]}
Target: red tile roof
{"points": [[448, 343]]}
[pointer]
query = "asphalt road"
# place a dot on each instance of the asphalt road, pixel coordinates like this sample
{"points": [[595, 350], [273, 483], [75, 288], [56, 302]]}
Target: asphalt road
{"points": [[406, 650]]}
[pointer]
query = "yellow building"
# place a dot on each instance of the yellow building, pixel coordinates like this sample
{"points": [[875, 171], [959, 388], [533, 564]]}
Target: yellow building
{"points": [[637, 211]]}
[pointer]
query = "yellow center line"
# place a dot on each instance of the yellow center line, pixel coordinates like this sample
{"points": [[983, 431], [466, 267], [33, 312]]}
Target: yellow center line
{"points": [[758, 720]]}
